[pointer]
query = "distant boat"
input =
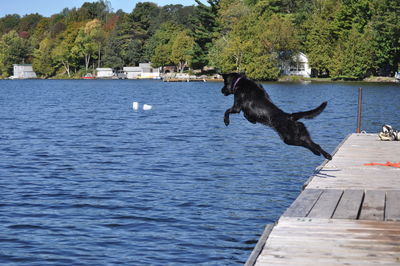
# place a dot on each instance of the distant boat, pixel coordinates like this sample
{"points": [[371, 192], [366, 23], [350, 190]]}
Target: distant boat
{"points": [[88, 76]]}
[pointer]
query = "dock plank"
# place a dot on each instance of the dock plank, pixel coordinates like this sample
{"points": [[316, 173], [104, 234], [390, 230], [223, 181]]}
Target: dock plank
{"points": [[303, 204], [392, 208], [326, 204], [349, 205], [373, 206]]}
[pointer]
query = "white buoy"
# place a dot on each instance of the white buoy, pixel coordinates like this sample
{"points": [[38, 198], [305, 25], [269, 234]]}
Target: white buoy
{"points": [[147, 107], [135, 106]]}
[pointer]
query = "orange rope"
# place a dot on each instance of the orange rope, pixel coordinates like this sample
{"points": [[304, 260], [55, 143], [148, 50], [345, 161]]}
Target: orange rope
{"points": [[385, 164]]}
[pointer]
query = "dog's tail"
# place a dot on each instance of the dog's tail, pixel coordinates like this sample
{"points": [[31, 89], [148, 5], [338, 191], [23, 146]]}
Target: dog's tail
{"points": [[308, 114]]}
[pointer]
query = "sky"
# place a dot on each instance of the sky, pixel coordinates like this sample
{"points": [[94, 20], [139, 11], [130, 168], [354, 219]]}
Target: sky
{"points": [[50, 7]]}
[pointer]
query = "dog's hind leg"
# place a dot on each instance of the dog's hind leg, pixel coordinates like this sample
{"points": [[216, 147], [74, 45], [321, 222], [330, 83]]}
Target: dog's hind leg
{"points": [[315, 148], [250, 118], [325, 154], [306, 144], [305, 141]]}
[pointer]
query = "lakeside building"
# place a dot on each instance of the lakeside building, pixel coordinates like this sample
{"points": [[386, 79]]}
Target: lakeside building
{"points": [[23, 71], [132, 72], [104, 72], [143, 71], [297, 66]]}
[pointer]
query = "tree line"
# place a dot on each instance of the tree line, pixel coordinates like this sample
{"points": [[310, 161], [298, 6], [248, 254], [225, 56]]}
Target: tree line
{"points": [[350, 39]]}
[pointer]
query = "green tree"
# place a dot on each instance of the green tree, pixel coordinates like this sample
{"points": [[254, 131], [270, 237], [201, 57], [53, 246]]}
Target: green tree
{"points": [[128, 41], [144, 17], [13, 50], [205, 28], [182, 50], [159, 47], [320, 45], [275, 42], [43, 61], [177, 14], [96, 32], [85, 45], [256, 46], [41, 29], [161, 56], [353, 57], [229, 13], [28, 23], [230, 50], [95, 10], [219, 58], [351, 14], [8, 23], [262, 67], [62, 54], [385, 23], [278, 36], [112, 57]]}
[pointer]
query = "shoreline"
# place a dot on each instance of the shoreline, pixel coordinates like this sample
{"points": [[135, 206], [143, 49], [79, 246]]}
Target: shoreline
{"points": [[285, 79], [374, 79]]}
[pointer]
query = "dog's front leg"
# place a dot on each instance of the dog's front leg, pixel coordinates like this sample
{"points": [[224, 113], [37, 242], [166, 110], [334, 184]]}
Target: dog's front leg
{"points": [[233, 110]]}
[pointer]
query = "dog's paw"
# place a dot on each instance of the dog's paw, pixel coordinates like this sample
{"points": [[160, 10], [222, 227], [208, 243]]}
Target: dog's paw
{"points": [[226, 121], [328, 156]]}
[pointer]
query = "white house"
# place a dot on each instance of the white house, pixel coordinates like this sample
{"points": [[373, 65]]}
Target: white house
{"points": [[104, 72], [132, 72], [298, 66], [143, 71], [149, 72], [23, 71]]}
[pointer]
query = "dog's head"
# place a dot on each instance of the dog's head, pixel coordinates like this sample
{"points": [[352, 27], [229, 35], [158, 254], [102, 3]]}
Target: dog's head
{"points": [[230, 82]]}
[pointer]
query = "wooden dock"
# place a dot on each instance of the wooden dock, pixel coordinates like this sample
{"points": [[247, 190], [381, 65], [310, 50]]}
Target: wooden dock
{"points": [[347, 214]]}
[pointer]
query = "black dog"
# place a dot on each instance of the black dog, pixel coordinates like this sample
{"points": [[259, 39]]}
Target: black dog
{"points": [[257, 107]]}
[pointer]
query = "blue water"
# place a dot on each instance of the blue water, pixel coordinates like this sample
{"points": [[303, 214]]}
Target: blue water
{"points": [[86, 180]]}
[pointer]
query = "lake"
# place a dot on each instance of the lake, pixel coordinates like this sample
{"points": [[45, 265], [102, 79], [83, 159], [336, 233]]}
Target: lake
{"points": [[86, 180]]}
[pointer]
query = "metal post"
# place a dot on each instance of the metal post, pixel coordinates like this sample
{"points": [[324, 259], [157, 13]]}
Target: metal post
{"points": [[358, 130]]}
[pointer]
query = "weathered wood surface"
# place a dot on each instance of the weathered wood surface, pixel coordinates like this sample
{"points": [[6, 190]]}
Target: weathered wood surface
{"points": [[348, 204], [348, 214], [373, 207], [309, 241], [392, 208], [347, 170], [260, 245], [326, 204], [304, 203]]}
